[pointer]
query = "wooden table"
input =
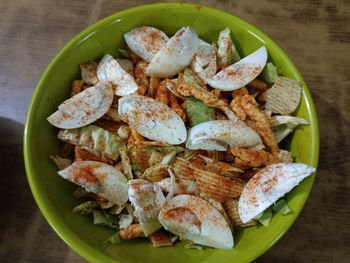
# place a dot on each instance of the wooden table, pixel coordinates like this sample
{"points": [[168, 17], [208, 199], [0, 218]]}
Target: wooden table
{"points": [[316, 35]]}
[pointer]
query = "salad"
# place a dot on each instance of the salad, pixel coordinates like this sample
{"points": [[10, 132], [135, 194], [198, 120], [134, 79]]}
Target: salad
{"points": [[179, 139]]}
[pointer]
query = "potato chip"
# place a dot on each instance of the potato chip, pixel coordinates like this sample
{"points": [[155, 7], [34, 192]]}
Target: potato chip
{"points": [[216, 155], [163, 238], [89, 72], [153, 86], [217, 186], [284, 96], [231, 209], [161, 92], [131, 232], [140, 73], [183, 169], [155, 173], [77, 86], [84, 155], [221, 167], [253, 158]]}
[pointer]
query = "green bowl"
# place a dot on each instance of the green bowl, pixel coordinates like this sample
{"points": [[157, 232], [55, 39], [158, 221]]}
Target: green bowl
{"points": [[54, 195]]}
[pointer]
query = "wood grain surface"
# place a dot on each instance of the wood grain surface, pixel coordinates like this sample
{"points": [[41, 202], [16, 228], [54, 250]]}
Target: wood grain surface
{"points": [[315, 34]]}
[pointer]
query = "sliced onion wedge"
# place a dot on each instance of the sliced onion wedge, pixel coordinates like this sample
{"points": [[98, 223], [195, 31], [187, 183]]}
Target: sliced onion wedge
{"points": [[83, 108], [268, 185], [110, 70], [204, 62], [177, 54], [240, 73], [152, 119], [208, 135], [145, 41], [195, 219], [99, 178]]}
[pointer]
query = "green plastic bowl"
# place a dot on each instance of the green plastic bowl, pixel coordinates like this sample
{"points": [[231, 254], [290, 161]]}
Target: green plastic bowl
{"points": [[54, 195]]}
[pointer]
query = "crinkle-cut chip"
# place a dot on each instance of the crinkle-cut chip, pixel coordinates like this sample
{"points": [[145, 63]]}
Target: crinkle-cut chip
{"points": [[218, 187], [126, 65], [216, 155], [89, 72], [163, 238], [183, 169], [284, 96], [161, 92], [285, 156], [231, 209], [77, 86], [83, 155], [131, 232], [181, 186], [140, 73], [221, 167], [155, 173], [108, 125], [252, 158], [139, 158], [153, 86]]}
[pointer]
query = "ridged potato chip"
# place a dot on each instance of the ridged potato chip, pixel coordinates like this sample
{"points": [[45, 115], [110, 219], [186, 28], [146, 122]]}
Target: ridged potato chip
{"points": [[183, 169], [131, 232], [162, 238], [217, 186], [284, 96], [231, 209]]}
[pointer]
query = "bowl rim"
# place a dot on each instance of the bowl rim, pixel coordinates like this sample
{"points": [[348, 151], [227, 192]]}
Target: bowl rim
{"points": [[65, 234]]}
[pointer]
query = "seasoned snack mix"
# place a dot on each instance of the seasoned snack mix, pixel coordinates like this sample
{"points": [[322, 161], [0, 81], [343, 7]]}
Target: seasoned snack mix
{"points": [[179, 139]]}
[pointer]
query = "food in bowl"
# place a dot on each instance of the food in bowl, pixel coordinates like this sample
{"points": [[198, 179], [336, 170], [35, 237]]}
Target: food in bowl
{"points": [[179, 139]]}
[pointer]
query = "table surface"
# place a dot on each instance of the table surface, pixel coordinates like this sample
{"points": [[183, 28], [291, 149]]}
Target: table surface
{"points": [[315, 34]]}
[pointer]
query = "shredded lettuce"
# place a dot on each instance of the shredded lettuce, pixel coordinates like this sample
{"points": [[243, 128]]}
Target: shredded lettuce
{"points": [[103, 219], [113, 240], [123, 150], [197, 111], [282, 207], [193, 245], [269, 73], [191, 78], [94, 139], [265, 217], [85, 208]]}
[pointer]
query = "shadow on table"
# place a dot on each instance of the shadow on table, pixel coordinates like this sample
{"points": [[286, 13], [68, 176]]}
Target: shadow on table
{"points": [[24, 234]]}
